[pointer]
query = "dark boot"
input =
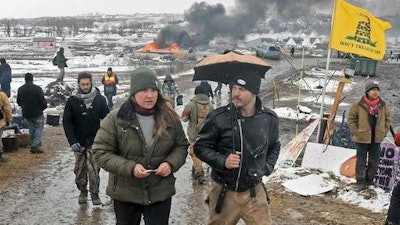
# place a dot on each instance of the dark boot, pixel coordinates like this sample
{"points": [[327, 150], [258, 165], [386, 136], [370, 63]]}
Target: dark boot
{"points": [[360, 187], [95, 198], [83, 197], [390, 223], [36, 150], [3, 159]]}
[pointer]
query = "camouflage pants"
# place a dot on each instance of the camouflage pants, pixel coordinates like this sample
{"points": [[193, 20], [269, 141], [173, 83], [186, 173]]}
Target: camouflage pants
{"points": [[239, 205], [197, 164], [85, 167]]}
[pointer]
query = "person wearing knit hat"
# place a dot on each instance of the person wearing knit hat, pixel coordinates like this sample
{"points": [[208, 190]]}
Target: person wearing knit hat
{"points": [[369, 121], [170, 89], [194, 113], [142, 142], [249, 80], [110, 81], [240, 142], [143, 78], [31, 99], [371, 85]]}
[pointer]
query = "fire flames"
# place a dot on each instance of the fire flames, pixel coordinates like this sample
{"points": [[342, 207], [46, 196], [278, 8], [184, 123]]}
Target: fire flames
{"points": [[154, 47]]}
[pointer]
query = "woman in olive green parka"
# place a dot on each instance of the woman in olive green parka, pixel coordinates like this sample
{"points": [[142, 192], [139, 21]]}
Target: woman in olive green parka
{"points": [[141, 145]]}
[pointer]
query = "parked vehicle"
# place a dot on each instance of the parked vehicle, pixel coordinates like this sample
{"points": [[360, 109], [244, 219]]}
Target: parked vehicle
{"points": [[268, 51]]}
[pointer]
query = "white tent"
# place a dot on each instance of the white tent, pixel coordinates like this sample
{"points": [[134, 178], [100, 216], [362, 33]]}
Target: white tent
{"points": [[307, 44], [291, 42], [317, 41]]}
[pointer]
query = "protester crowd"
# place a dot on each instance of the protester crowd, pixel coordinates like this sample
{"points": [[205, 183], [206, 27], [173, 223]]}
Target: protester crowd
{"points": [[142, 143]]}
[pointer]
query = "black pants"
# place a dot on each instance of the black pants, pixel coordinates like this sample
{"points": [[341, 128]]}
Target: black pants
{"points": [[394, 207], [130, 214], [367, 162]]}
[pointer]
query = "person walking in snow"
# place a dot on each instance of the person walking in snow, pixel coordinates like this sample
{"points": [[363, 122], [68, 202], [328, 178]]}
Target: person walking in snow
{"points": [[195, 112], [141, 145], [5, 77], [61, 62], [83, 111], [207, 88], [369, 121], [217, 90], [241, 144], [169, 88], [292, 52], [110, 81], [31, 99]]}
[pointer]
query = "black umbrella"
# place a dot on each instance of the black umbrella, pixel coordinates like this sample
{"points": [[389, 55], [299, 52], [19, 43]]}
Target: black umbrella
{"points": [[224, 67]]}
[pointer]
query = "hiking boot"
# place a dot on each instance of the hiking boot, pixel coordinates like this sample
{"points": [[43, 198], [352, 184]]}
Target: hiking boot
{"points": [[83, 197], [390, 223], [3, 159], [95, 198], [360, 187], [36, 150], [370, 183]]}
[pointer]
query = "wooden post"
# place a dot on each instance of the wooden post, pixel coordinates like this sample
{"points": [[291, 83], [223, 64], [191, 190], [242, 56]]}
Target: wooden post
{"points": [[330, 126]]}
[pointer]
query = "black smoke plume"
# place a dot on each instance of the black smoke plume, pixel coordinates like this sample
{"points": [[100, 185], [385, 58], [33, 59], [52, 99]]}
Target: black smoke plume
{"points": [[207, 21]]}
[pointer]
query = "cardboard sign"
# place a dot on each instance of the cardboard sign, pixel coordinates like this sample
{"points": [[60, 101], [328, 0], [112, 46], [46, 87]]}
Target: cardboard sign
{"points": [[386, 176]]}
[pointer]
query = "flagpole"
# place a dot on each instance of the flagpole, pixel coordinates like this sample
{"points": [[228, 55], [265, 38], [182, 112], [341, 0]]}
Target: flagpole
{"points": [[321, 112], [328, 59]]}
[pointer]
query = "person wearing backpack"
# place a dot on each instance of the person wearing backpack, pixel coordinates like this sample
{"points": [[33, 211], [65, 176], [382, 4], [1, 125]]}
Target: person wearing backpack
{"points": [[169, 88], [194, 113], [61, 63]]}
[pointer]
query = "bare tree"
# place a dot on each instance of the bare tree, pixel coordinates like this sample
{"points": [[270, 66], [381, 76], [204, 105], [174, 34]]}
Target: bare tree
{"points": [[7, 27], [15, 28]]}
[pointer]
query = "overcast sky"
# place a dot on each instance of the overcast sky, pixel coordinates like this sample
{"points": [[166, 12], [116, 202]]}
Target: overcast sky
{"points": [[39, 8]]}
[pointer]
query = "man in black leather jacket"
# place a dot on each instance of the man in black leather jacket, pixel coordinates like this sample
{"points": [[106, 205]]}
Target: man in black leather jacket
{"points": [[241, 143]]}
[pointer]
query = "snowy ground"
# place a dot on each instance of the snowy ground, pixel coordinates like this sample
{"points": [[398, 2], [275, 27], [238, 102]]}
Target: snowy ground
{"points": [[376, 200]]}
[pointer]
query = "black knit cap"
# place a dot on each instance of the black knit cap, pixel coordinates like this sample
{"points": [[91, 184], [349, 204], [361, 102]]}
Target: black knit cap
{"points": [[250, 80], [28, 77], [199, 90]]}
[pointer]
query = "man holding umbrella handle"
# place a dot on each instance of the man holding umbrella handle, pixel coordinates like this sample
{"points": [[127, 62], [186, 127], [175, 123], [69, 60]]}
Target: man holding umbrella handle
{"points": [[240, 141]]}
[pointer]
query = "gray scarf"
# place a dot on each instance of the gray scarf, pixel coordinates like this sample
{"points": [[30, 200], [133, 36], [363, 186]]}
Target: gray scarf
{"points": [[87, 98]]}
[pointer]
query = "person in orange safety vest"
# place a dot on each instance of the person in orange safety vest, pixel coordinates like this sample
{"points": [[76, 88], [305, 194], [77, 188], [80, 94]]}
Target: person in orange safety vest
{"points": [[110, 81]]}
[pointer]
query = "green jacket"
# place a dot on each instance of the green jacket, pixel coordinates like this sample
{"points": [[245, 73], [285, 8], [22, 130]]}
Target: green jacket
{"points": [[360, 128], [190, 114], [119, 145]]}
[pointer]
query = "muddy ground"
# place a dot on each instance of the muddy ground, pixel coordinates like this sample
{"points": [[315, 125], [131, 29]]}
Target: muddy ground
{"points": [[40, 189]]}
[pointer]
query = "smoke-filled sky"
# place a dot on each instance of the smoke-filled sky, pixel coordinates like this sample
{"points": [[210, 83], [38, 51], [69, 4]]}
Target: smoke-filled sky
{"points": [[291, 8], [212, 20]]}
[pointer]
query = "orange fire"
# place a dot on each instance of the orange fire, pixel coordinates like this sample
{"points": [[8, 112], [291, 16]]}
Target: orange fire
{"points": [[153, 47]]}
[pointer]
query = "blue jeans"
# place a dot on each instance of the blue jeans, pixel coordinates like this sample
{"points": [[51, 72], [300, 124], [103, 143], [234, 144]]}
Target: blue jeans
{"points": [[35, 126], [109, 97]]}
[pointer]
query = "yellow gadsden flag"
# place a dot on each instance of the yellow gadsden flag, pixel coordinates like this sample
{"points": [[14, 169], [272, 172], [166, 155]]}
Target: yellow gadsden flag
{"points": [[355, 30]]}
